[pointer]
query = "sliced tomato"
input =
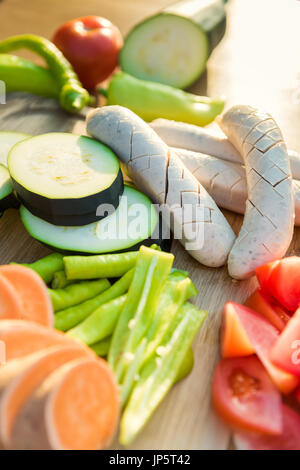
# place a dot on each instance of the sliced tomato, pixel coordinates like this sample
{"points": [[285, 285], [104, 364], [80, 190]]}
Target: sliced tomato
{"points": [[262, 336], [260, 303], [288, 440], [263, 274], [297, 394], [244, 396], [283, 282], [286, 350], [234, 340]]}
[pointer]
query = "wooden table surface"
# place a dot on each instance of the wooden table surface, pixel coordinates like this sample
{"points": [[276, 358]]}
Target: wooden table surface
{"points": [[258, 62]]}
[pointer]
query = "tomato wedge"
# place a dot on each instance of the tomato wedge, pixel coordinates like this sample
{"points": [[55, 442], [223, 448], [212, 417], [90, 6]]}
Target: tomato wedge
{"points": [[263, 274], [234, 340], [275, 314], [288, 440], [282, 281], [262, 337], [286, 350], [244, 396]]}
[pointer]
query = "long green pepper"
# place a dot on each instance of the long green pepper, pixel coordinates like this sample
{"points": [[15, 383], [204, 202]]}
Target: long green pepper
{"points": [[72, 96], [152, 100]]}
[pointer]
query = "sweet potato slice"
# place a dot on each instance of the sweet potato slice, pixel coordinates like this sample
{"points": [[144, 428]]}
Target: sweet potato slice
{"points": [[23, 337], [23, 385], [32, 292], [76, 407], [10, 304]]}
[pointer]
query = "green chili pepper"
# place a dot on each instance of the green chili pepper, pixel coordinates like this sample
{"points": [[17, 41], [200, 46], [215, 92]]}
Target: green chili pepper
{"points": [[151, 270], [159, 374], [46, 267], [20, 74], [101, 348], [70, 317], [98, 266], [152, 100], [60, 280], [100, 323], [72, 96], [76, 293], [131, 375]]}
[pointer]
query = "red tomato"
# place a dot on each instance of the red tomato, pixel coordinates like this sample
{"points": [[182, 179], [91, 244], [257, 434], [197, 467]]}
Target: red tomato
{"points": [[288, 440], [234, 340], [245, 397], [262, 336], [263, 274], [297, 395], [282, 281], [286, 351], [275, 314], [92, 45]]}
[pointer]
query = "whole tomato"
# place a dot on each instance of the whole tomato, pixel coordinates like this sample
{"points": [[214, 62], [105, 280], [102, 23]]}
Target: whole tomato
{"points": [[92, 45]]}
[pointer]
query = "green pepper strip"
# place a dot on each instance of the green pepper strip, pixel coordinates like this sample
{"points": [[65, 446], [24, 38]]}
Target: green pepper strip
{"points": [[151, 271], [73, 97], [99, 266], [131, 375], [47, 266], [70, 317], [152, 100], [101, 323], [76, 293], [60, 280], [159, 374]]}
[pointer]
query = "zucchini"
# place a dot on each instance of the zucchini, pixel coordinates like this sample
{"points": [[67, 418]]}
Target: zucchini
{"points": [[7, 197], [7, 141], [133, 222], [173, 46], [63, 178]]}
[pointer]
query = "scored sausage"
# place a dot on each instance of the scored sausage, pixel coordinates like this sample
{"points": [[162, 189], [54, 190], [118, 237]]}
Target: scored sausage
{"points": [[208, 140], [225, 181], [268, 224], [162, 176]]}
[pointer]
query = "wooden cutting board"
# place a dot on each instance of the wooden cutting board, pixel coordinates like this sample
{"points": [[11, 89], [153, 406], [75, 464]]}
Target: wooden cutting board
{"points": [[185, 419]]}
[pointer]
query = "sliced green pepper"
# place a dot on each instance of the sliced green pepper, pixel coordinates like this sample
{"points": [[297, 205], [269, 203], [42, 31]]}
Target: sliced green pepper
{"points": [[152, 269], [159, 374]]}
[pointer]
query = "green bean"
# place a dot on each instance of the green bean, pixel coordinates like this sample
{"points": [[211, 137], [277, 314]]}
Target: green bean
{"points": [[76, 293], [60, 280], [152, 269], [101, 347], [47, 266], [99, 266], [159, 374], [100, 323], [70, 317]]}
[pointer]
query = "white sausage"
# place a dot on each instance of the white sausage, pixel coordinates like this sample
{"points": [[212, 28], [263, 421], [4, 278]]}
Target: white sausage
{"points": [[225, 181], [164, 178], [268, 224], [208, 140]]}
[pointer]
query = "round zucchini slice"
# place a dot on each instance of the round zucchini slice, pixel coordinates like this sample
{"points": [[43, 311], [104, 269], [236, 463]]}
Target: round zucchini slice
{"points": [[7, 197], [63, 178], [7, 141], [133, 222], [166, 48]]}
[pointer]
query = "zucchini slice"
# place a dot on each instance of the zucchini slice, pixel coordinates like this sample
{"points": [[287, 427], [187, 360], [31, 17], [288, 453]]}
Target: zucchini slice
{"points": [[7, 141], [133, 222], [63, 177], [7, 197], [173, 46]]}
